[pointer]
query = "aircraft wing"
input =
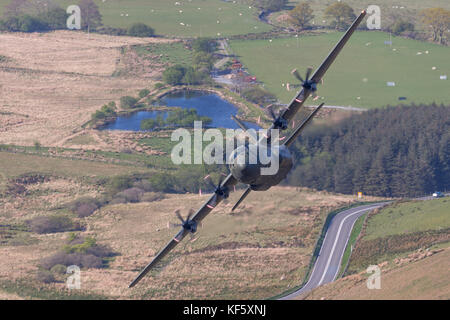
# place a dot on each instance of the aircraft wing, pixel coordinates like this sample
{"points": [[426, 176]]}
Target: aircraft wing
{"points": [[172, 243], [289, 113], [201, 213], [228, 182]]}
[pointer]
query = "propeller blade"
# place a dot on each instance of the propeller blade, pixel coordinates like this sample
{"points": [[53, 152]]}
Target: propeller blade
{"points": [[271, 112], [173, 225], [296, 74], [308, 73], [191, 212], [177, 212]]}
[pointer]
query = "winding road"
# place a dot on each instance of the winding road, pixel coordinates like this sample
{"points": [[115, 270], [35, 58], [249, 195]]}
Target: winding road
{"points": [[328, 262]]}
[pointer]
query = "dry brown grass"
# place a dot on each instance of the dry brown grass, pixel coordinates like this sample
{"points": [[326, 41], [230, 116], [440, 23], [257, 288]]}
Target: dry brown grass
{"points": [[52, 82], [257, 252]]}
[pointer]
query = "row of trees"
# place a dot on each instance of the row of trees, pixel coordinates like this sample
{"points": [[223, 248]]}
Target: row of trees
{"points": [[269, 5], [175, 118], [342, 15], [396, 151], [45, 15]]}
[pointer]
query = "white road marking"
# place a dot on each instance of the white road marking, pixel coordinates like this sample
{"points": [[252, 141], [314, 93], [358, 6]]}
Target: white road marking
{"points": [[336, 241]]}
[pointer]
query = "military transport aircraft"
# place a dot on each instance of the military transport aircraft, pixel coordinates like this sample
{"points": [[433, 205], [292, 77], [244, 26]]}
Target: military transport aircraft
{"points": [[250, 174]]}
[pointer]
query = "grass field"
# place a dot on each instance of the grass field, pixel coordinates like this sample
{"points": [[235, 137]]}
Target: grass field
{"points": [[351, 242], [398, 230], [251, 253], [165, 16], [362, 70], [172, 53], [409, 217], [13, 165]]}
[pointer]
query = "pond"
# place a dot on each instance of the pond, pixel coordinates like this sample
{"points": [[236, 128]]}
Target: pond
{"points": [[207, 104]]}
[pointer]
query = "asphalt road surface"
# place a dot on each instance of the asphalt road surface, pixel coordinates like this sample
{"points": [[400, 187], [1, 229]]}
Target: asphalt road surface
{"points": [[328, 262]]}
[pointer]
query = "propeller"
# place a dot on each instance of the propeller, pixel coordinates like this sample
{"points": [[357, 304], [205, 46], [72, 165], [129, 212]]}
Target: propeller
{"points": [[278, 121], [219, 191], [187, 224], [306, 83]]}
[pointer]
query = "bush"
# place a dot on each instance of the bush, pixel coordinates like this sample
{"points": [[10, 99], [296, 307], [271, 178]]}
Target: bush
{"points": [[129, 195], [23, 23], [58, 269], [16, 189], [204, 45], [174, 75], [119, 183], [52, 224], [112, 31], [82, 252], [45, 276], [143, 185], [85, 206], [133, 194], [140, 30], [67, 259], [107, 111], [152, 196], [118, 199], [402, 26], [54, 18], [159, 85], [143, 93], [258, 95], [128, 102]]}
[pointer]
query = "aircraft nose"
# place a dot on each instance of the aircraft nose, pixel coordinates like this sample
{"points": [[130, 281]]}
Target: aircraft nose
{"points": [[246, 173]]}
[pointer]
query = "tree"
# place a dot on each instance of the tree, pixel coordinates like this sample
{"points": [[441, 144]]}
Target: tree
{"points": [[14, 8], [342, 14], [204, 45], [128, 102], [270, 5], [174, 75], [55, 18], [90, 15], [439, 21], [301, 15], [191, 76], [31, 24], [203, 60], [140, 30], [402, 26]]}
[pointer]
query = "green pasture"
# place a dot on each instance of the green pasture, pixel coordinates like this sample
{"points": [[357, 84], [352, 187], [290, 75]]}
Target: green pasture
{"points": [[408, 217], [359, 75], [165, 16]]}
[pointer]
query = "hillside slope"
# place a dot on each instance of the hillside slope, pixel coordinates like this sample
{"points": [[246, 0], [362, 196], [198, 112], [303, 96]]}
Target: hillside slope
{"points": [[427, 278]]}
